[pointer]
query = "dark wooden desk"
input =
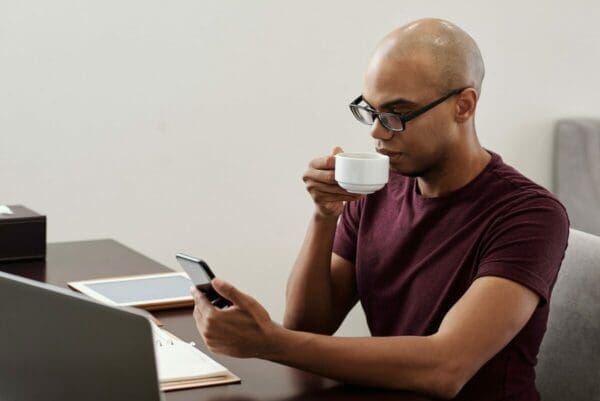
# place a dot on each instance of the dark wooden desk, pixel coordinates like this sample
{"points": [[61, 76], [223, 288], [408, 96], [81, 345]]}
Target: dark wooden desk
{"points": [[261, 380]]}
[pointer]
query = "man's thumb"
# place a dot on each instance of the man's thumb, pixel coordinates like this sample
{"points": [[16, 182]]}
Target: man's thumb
{"points": [[230, 293], [331, 158], [337, 150]]}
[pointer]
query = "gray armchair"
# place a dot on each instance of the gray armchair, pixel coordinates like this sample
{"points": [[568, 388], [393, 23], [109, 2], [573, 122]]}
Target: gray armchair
{"points": [[569, 359], [577, 171]]}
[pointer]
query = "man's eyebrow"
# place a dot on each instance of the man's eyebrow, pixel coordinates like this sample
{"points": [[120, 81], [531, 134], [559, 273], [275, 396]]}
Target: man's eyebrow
{"points": [[392, 103]]}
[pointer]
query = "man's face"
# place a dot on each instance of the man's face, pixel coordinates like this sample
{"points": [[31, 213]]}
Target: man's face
{"points": [[403, 86]]}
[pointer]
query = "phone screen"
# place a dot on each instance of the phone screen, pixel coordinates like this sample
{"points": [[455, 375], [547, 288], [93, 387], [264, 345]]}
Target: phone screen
{"points": [[201, 275], [195, 270]]}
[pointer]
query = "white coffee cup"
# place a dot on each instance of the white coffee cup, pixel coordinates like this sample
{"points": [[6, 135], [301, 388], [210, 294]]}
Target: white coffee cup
{"points": [[362, 173]]}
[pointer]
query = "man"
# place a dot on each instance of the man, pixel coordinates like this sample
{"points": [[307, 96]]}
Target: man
{"points": [[453, 261]]}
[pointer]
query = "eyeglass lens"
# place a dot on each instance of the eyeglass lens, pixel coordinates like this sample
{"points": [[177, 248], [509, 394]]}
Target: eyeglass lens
{"points": [[389, 121]]}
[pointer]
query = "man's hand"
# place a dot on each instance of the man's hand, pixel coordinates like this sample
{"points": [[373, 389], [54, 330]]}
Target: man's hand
{"points": [[242, 330], [320, 181]]}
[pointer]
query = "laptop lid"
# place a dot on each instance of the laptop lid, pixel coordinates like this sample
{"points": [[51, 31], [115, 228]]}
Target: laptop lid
{"points": [[59, 345]]}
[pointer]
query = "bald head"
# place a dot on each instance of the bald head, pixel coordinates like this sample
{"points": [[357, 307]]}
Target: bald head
{"points": [[450, 53]]}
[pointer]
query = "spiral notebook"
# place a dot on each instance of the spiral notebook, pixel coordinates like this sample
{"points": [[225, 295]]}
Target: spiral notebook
{"points": [[182, 365]]}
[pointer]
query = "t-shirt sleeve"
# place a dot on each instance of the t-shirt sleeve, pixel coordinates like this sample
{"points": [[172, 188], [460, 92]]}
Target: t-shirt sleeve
{"points": [[527, 245], [346, 234]]}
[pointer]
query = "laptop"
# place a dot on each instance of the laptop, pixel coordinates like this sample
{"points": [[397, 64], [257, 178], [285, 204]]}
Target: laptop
{"points": [[59, 345]]}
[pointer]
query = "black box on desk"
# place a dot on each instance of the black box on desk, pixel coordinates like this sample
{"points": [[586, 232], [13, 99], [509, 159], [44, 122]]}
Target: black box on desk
{"points": [[22, 234]]}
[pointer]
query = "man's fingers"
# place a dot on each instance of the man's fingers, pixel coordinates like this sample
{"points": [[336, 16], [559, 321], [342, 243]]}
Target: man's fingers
{"points": [[326, 162], [320, 191], [202, 303], [231, 293], [323, 163], [323, 188], [338, 198], [324, 176]]}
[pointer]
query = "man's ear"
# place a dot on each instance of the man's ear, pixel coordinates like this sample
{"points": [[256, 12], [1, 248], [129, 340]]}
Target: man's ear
{"points": [[466, 104]]}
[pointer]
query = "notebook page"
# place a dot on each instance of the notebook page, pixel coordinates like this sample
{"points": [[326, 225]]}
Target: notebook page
{"points": [[178, 360]]}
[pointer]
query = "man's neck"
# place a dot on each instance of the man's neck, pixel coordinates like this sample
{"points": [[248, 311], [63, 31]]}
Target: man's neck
{"points": [[458, 170]]}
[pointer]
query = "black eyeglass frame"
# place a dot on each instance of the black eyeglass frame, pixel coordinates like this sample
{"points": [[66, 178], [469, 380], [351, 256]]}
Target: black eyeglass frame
{"points": [[403, 117]]}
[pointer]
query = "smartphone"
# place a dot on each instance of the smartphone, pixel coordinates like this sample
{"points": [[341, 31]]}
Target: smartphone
{"points": [[201, 276]]}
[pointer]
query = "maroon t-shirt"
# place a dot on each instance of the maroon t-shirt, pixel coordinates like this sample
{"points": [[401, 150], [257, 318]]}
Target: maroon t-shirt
{"points": [[415, 257]]}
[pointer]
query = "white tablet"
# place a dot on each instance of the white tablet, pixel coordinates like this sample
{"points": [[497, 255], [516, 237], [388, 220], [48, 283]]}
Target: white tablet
{"points": [[148, 291]]}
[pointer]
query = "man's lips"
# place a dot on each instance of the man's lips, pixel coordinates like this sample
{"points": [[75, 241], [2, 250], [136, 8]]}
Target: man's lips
{"points": [[388, 153]]}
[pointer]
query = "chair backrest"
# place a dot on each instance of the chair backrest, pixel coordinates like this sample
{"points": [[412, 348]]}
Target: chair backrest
{"points": [[569, 358], [577, 171]]}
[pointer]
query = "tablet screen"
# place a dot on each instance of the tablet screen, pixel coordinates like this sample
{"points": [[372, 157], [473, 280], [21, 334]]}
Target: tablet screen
{"points": [[143, 289]]}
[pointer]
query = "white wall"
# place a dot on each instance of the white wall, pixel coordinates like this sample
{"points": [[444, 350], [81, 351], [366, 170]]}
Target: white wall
{"points": [[186, 125]]}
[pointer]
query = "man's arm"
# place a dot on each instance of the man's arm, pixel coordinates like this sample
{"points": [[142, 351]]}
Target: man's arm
{"points": [[321, 289], [478, 326]]}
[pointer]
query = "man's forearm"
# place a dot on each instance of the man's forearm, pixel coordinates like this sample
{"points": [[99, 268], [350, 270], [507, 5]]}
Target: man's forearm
{"points": [[309, 300], [406, 363]]}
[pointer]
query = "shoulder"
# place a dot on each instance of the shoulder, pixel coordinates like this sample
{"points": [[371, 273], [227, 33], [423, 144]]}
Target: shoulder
{"points": [[526, 239], [522, 213], [516, 192]]}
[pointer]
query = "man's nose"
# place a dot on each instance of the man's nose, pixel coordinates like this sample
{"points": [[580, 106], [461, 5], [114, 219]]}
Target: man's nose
{"points": [[378, 131]]}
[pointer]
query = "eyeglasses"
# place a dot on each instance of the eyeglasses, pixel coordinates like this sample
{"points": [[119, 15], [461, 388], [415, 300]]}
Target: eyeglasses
{"points": [[393, 121]]}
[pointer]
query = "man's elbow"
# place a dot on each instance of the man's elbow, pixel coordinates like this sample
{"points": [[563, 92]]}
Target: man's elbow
{"points": [[447, 389], [291, 323], [448, 380], [296, 324], [441, 381]]}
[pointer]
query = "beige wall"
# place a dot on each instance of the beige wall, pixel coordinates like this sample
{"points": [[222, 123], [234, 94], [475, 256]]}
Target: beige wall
{"points": [[186, 125]]}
